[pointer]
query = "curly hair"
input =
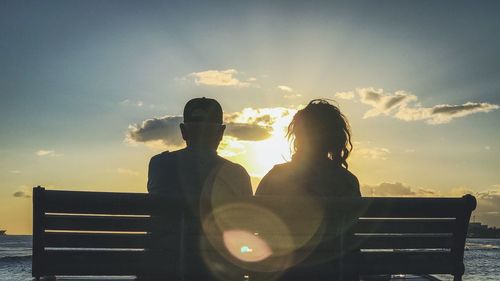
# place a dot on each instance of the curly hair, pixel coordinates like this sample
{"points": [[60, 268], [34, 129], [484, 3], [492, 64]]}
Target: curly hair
{"points": [[323, 128]]}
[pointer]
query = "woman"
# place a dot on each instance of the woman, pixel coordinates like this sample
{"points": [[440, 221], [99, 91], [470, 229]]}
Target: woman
{"points": [[321, 140]]}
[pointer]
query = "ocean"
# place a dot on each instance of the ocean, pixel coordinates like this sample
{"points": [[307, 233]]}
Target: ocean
{"points": [[482, 259]]}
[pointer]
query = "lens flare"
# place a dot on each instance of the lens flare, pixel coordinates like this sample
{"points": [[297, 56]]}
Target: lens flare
{"points": [[246, 246]]}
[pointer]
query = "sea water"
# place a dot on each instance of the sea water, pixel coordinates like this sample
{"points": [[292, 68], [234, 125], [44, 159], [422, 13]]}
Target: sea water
{"points": [[482, 259]]}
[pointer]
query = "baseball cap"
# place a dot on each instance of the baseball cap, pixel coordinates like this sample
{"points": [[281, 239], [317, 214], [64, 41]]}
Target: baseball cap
{"points": [[203, 110]]}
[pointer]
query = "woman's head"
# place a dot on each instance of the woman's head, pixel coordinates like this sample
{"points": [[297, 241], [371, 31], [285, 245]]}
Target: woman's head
{"points": [[321, 130]]}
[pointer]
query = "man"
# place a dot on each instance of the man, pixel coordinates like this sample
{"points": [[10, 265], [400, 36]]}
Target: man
{"points": [[196, 173], [198, 179]]}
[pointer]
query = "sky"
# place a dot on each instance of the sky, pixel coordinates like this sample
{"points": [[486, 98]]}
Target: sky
{"points": [[90, 90]]}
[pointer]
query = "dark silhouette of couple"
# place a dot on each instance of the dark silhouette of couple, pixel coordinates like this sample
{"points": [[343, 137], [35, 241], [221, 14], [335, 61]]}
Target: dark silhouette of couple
{"points": [[321, 140], [321, 143]]}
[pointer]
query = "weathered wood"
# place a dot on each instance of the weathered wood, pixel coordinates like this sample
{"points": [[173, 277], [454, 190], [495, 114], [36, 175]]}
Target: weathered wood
{"points": [[38, 229], [80, 262], [84, 202], [98, 223], [68, 228], [402, 242], [96, 240], [432, 262], [405, 226], [375, 207]]}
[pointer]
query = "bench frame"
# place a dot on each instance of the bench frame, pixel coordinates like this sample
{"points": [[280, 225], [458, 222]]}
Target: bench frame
{"points": [[382, 223]]}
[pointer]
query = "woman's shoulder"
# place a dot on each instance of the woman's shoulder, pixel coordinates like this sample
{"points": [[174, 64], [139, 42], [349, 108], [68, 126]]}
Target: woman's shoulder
{"points": [[348, 174], [276, 179], [351, 182]]}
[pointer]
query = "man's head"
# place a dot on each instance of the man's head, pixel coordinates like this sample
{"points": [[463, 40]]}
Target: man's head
{"points": [[202, 123]]}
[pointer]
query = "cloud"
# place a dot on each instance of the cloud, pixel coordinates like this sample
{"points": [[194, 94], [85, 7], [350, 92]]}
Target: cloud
{"points": [[128, 102], [127, 172], [164, 129], [248, 132], [285, 88], [344, 95], [387, 189], [488, 206], [372, 152], [401, 105], [291, 94], [383, 103], [266, 117], [44, 152], [220, 78], [488, 201], [246, 125], [14, 171], [231, 147], [21, 194]]}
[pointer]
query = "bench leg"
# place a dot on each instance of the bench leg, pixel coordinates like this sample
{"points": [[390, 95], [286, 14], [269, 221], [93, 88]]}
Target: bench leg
{"points": [[457, 277]]}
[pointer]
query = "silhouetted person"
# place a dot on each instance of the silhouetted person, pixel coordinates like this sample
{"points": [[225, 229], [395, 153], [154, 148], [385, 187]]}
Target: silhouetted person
{"points": [[321, 144], [196, 171], [196, 176]]}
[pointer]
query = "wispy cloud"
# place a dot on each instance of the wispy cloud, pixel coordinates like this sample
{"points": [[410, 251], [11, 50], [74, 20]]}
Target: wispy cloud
{"points": [[285, 88], [366, 150], [373, 153], [402, 105], [45, 152], [128, 172], [383, 103], [128, 102], [221, 78], [397, 189], [14, 171], [21, 194], [344, 95], [290, 92]]}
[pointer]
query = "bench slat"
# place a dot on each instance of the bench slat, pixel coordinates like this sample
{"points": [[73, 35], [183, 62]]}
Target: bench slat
{"points": [[97, 223], [388, 207], [404, 226], [120, 203], [107, 262], [403, 262], [121, 240], [95, 240], [402, 242], [85, 202]]}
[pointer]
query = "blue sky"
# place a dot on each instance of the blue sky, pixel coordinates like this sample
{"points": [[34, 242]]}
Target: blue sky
{"points": [[76, 77]]}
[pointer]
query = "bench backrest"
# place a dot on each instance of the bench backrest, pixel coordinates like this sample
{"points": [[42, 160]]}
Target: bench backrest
{"points": [[105, 233], [99, 233], [412, 235], [383, 235]]}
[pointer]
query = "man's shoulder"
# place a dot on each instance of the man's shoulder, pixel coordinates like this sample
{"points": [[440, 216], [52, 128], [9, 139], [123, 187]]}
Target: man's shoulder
{"points": [[165, 156], [232, 166]]}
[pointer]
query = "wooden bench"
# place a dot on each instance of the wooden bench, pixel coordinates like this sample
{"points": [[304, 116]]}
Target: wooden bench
{"points": [[126, 234]]}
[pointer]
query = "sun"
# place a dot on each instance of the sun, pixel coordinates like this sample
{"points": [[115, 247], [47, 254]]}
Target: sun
{"points": [[258, 157]]}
